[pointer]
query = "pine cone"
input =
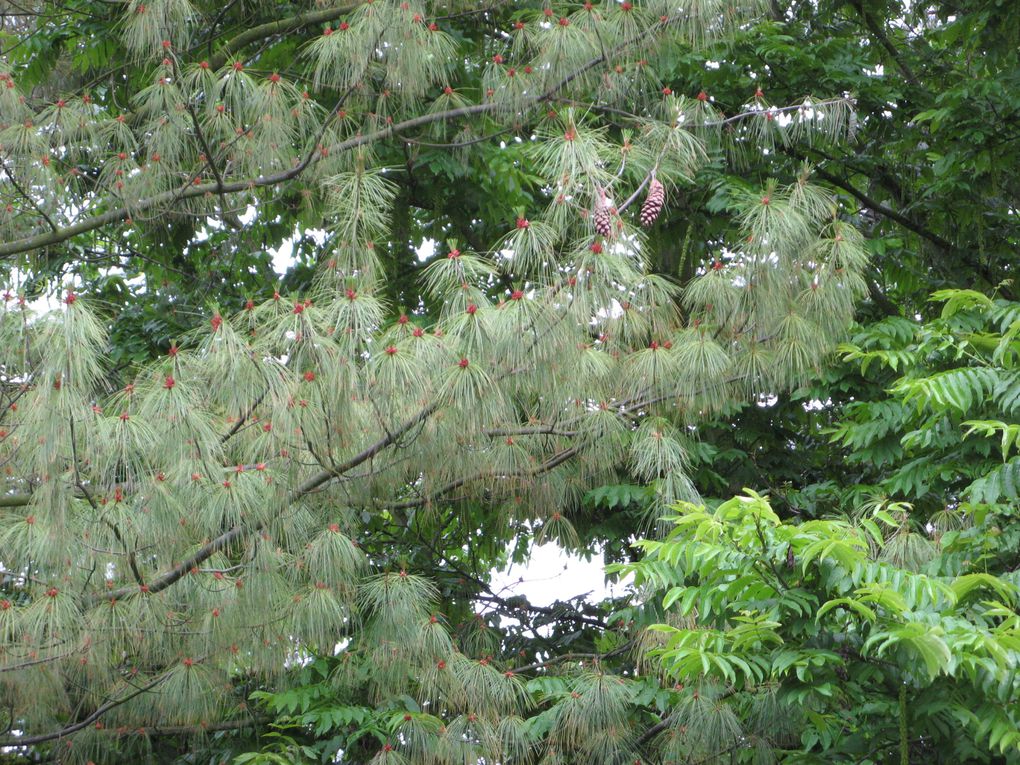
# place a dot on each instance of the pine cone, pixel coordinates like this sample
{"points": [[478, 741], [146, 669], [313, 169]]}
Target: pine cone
{"points": [[603, 221], [653, 203], [603, 214]]}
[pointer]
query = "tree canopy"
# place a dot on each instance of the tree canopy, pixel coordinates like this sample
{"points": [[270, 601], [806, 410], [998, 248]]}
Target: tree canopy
{"points": [[554, 272]]}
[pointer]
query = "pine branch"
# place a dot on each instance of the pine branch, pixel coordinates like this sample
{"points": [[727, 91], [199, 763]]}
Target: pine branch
{"points": [[101, 710], [882, 210], [192, 190], [156, 731], [575, 657], [906, 222], [35, 662], [27, 197], [545, 467], [278, 27], [224, 540], [243, 419]]}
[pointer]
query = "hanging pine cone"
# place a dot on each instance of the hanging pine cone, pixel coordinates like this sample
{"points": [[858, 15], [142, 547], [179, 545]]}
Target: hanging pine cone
{"points": [[603, 221], [603, 217], [653, 202]]}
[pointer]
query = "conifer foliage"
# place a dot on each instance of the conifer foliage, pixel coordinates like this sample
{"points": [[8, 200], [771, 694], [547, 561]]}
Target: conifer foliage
{"points": [[173, 543]]}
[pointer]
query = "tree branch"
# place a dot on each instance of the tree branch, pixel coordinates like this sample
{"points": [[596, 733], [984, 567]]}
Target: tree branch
{"points": [[192, 189], [224, 540], [278, 27], [884, 211], [86, 721]]}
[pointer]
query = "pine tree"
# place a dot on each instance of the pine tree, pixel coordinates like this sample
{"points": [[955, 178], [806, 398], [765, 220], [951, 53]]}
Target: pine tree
{"points": [[173, 541]]}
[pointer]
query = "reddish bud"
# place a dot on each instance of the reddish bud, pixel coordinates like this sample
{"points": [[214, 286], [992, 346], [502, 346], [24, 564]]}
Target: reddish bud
{"points": [[463, 363], [391, 350], [169, 382], [309, 376], [702, 96], [52, 592], [216, 322], [523, 223], [472, 308]]}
